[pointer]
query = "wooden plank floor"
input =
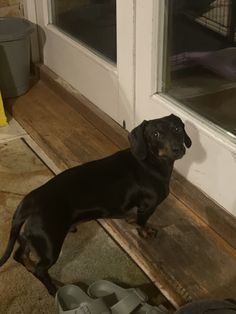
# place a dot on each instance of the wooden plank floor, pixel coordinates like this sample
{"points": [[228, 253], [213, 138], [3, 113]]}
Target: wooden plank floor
{"points": [[187, 260]]}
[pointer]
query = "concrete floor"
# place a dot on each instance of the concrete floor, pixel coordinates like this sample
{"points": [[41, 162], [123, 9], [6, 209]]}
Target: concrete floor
{"points": [[88, 255]]}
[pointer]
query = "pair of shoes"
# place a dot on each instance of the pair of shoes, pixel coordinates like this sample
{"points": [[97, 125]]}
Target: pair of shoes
{"points": [[104, 297]]}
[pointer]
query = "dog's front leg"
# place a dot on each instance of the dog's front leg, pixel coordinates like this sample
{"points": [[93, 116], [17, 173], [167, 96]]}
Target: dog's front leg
{"points": [[143, 215]]}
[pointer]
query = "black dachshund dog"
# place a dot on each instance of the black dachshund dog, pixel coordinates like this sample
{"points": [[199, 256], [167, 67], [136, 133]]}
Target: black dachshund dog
{"points": [[137, 177]]}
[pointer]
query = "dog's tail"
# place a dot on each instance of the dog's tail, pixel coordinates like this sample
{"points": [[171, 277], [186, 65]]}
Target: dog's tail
{"points": [[18, 220]]}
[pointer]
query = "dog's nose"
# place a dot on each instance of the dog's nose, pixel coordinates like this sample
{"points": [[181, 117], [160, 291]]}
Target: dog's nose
{"points": [[176, 150]]}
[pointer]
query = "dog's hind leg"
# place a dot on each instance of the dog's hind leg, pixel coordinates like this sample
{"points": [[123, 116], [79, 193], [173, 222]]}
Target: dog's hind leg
{"points": [[41, 272], [22, 251], [22, 255], [39, 269], [47, 257]]}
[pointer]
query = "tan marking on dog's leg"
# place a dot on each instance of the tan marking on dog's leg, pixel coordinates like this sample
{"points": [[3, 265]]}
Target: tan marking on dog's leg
{"points": [[28, 263]]}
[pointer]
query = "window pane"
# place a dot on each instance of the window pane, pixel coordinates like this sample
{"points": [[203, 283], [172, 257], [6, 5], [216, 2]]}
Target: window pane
{"points": [[200, 66], [92, 22]]}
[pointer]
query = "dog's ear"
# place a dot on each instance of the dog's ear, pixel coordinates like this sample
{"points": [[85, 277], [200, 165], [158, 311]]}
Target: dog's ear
{"points": [[187, 139], [138, 145]]}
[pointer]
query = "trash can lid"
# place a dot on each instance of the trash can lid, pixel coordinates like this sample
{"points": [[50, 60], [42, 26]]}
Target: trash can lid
{"points": [[14, 28]]}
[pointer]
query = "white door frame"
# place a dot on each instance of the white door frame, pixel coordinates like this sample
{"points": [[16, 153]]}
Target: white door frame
{"points": [[109, 86], [210, 164]]}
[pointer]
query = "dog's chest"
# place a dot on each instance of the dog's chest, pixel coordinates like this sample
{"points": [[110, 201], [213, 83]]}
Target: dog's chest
{"points": [[152, 192]]}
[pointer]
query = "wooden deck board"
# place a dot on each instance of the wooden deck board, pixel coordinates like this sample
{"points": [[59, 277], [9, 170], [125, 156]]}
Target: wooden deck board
{"points": [[187, 260], [190, 258], [63, 132]]}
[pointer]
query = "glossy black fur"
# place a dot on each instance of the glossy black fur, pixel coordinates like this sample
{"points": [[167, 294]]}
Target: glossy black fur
{"points": [[107, 188]]}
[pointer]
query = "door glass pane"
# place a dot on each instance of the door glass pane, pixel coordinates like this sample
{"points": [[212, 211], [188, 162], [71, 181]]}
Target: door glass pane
{"points": [[200, 58], [92, 22]]}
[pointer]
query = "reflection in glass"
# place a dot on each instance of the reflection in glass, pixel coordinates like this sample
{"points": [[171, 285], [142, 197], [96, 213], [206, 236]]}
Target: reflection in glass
{"points": [[92, 22], [201, 58]]}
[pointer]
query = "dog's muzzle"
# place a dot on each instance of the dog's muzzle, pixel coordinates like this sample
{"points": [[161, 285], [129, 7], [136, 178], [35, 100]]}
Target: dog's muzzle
{"points": [[178, 151]]}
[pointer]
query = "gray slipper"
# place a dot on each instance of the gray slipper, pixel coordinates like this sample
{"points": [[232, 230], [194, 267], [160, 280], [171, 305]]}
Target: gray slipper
{"points": [[70, 299], [123, 301]]}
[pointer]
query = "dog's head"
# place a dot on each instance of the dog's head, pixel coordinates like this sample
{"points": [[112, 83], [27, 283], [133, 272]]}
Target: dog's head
{"points": [[161, 138]]}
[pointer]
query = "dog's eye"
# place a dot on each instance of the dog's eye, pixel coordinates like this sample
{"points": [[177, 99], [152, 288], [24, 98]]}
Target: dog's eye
{"points": [[156, 134], [177, 129]]}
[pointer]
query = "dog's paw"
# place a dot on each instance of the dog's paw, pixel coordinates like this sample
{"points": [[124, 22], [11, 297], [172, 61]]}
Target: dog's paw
{"points": [[57, 284], [147, 232], [132, 219], [73, 229]]}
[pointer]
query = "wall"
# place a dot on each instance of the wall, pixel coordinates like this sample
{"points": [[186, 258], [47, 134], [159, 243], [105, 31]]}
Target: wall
{"points": [[11, 8]]}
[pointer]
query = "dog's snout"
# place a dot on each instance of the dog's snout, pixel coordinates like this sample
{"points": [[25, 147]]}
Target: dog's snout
{"points": [[176, 150]]}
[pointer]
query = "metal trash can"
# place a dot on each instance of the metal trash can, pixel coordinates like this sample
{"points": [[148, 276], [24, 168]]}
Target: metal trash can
{"points": [[14, 55]]}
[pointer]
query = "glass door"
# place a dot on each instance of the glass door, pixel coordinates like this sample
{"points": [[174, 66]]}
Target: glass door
{"points": [[201, 60], [89, 44], [185, 65], [93, 23]]}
